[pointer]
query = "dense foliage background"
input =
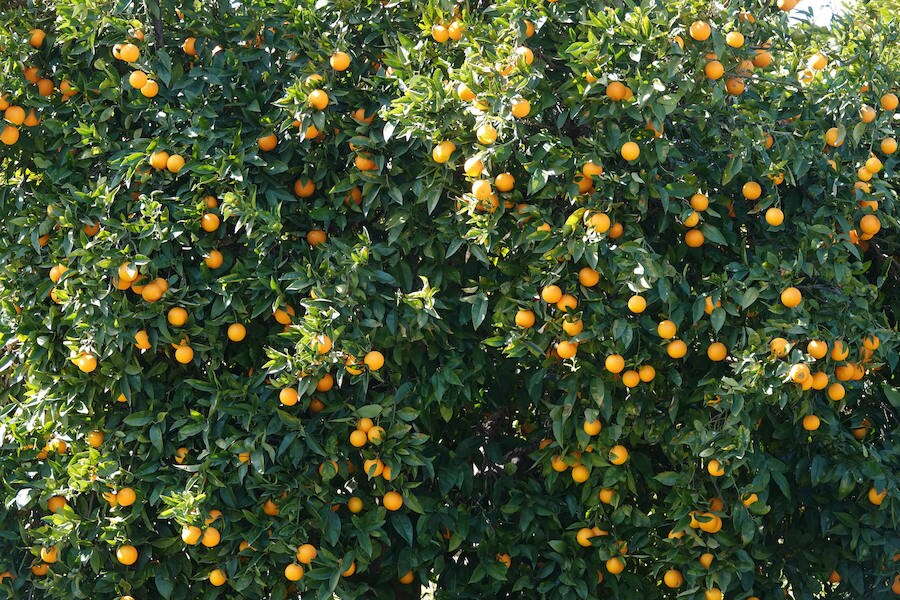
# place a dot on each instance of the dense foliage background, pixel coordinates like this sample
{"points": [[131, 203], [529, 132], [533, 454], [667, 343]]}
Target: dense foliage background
{"points": [[279, 315]]}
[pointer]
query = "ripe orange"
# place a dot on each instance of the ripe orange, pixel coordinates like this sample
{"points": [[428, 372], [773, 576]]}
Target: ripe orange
{"points": [[630, 151], [572, 327], [694, 238], [713, 70], [236, 332], [184, 353], [209, 222], [392, 501], [521, 108], [889, 145], [486, 134], [615, 565], [288, 396], [177, 316], [715, 468], [211, 537], [717, 351], [306, 554], [600, 222], [441, 152], [129, 53], [631, 378], [699, 202], [889, 101], [175, 163], [875, 497], [700, 31], [637, 304], [10, 135], [811, 422], [504, 182], [267, 142], [618, 455], [15, 115], [214, 260], [355, 505], [751, 190], [339, 61], [374, 360], [318, 99], [551, 294], [592, 427], [36, 40], [580, 473], [615, 363], [870, 225], [358, 438], [673, 579], [566, 350], [191, 534], [127, 554], [774, 217], [713, 594], [676, 349], [666, 329], [588, 277], [525, 319], [791, 297], [159, 159], [734, 86], [48, 555], [616, 91], [217, 577], [293, 572], [867, 114], [137, 79]]}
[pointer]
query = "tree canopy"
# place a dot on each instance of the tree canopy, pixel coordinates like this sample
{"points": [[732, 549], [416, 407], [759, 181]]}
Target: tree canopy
{"points": [[501, 299]]}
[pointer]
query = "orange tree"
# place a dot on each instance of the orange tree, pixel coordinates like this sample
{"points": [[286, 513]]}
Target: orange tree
{"points": [[503, 299]]}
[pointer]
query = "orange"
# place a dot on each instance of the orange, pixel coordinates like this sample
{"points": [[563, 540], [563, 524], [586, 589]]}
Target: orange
{"points": [[699, 202], [734, 86], [214, 259], [355, 505], [715, 468], [717, 351], [45, 87], [525, 319], [209, 222], [615, 565], [551, 294], [637, 304], [473, 167], [306, 554], [184, 354], [817, 349], [870, 224], [676, 349], [521, 108], [126, 496], [486, 134], [504, 182], [318, 99], [673, 579], [465, 93], [217, 577], [779, 347], [439, 33], [374, 360], [392, 501], [630, 151], [189, 46], [177, 316], [791, 297], [600, 222], [137, 79], [867, 114], [592, 427], [48, 555], [839, 351], [267, 142], [482, 189], [150, 89], [762, 58], [567, 302], [15, 115], [818, 61], [583, 537], [572, 327], [129, 53], [616, 91], [159, 159], [293, 572], [441, 153], [889, 145], [799, 373], [700, 31], [358, 438], [211, 537], [751, 190], [714, 70], [580, 473], [618, 455], [127, 554], [614, 363], [873, 165], [288, 396], [10, 135], [889, 101], [566, 350], [175, 163], [455, 31], [631, 378], [774, 217], [706, 560], [694, 238], [833, 137], [811, 422], [236, 332], [339, 61], [304, 188], [666, 329], [37, 38], [376, 434], [191, 535], [713, 594], [875, 497]]}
